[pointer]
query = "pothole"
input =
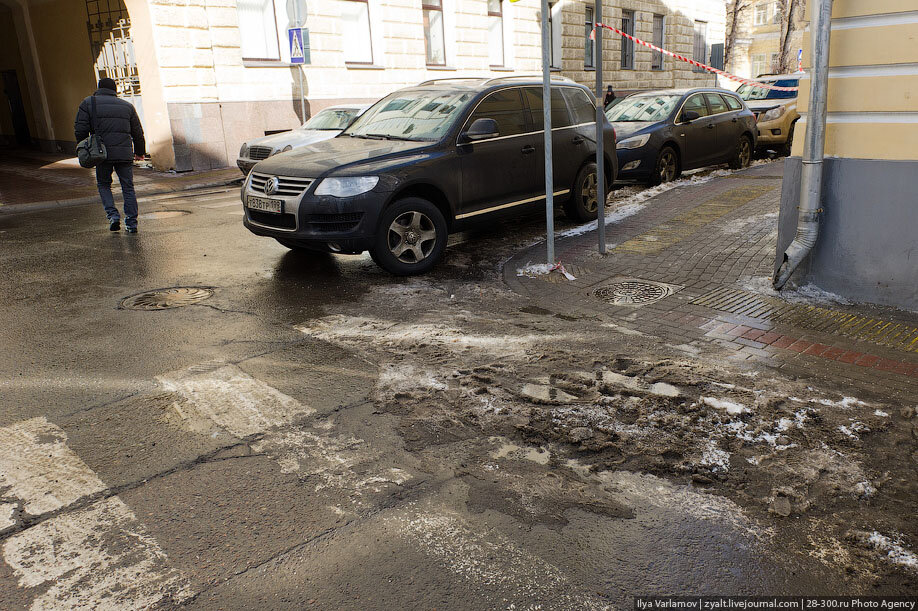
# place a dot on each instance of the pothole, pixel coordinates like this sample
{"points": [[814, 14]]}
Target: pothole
{"points": [[634, 292], [162, 214], [165, 299]]}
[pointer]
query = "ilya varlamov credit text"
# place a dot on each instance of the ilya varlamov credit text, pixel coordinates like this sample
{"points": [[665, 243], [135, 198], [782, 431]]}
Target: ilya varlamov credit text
{"points": [[775, 603]]}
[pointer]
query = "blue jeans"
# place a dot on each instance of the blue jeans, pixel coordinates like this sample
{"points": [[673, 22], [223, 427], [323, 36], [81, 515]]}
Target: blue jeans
{"points": [[125, 171]]}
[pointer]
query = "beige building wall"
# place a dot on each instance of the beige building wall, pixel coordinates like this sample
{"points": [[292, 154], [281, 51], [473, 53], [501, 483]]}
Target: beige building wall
{"points": [[873, 83], [758, 44]]}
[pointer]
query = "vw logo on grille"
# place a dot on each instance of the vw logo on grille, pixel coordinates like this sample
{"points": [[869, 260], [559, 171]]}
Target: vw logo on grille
{"points": [[271, 186]]}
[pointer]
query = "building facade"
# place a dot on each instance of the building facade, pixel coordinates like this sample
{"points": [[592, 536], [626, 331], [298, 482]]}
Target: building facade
{"points": [[206, 75], [867, 248], [758, 37]]}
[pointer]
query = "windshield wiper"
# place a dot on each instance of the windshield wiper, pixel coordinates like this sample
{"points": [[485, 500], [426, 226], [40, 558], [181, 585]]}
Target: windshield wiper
{"points": [[389, 137]]}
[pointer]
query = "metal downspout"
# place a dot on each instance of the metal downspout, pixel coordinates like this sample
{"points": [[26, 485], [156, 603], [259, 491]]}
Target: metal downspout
{"points": [[813, 150]]}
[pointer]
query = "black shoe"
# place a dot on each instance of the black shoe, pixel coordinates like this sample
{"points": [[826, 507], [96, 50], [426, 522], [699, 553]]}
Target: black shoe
{"points": [[114, 225], [130, 229]]}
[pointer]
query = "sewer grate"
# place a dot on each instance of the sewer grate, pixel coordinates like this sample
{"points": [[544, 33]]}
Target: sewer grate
{"points": [[165, 299], [634, 292], [162, 214], [875, 330]]}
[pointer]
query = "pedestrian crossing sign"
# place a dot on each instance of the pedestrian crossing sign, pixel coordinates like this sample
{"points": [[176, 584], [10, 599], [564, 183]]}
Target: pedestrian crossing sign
{"points": [[299, 45]]}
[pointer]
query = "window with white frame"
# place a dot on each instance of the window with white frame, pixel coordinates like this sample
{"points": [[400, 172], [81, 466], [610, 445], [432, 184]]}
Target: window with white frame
{"points": [[355, 26], [659, 26], [554, 23], [700, 47], [433, 32], [258, 30], [776, 14], [589, 39], [759, 64], [495, 33], [775, 61], [761, 14]]}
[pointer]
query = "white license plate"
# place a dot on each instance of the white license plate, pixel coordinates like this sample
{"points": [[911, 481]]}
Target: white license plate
{"points": [[264, 205]]}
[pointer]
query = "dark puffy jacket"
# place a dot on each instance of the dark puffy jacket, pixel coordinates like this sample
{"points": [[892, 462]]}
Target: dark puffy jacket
{"points": [[116, 121]]}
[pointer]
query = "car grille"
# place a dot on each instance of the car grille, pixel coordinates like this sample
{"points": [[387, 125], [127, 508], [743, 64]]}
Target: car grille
{"points": [[333, 222], [286, 186], [281, 221], [258, 153]]}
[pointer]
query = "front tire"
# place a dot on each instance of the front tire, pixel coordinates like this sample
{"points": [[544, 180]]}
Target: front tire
{"points": [[742, 157], [583, 203], [666, 168], [410, 238], [789, 143]]}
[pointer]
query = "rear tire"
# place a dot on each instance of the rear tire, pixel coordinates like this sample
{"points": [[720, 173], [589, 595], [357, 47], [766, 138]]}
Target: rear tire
{"points": [[583, 203], [742, 156], [410, 238], [666, 168]]}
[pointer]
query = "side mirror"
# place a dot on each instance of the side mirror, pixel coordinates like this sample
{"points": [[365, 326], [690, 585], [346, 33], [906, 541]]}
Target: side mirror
{"points": [[481, 129], [690, 115]]}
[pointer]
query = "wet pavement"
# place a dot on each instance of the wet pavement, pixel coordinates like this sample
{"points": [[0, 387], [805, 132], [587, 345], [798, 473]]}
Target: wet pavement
{"points": [[318, 434]]}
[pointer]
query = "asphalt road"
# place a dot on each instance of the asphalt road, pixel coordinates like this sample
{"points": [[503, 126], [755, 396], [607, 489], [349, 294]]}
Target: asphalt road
{"points": [[254, 450]]}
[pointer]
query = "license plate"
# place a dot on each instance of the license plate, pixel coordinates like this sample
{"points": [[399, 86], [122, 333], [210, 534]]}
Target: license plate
{"points": [[264, 205]]}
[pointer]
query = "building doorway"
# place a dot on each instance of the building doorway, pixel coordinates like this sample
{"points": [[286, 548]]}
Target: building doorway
{"points": [[112, 47], [17, 108]]}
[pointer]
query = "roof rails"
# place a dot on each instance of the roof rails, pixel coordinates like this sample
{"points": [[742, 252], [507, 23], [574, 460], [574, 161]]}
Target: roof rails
{"points": [[487, 81]]}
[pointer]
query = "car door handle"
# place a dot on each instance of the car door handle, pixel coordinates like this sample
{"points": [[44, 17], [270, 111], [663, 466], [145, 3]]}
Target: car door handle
{"points": [[528, 149], [577, 140], [734, 120], [710, 126]]}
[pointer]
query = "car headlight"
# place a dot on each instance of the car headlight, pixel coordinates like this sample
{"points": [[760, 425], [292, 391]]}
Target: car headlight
{"points": [[346, 186], [773, 114], [633, 143], [289, 147], [244, 151]]}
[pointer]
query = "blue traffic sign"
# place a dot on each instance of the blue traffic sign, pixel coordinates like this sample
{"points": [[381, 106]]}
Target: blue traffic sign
{"points": [[299, 45]]}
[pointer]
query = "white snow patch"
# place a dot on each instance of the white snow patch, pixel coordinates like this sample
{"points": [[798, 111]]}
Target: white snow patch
{"points": [[807, 293], [489, 561], [895, 552], [714, 457], [400, 377], [845, 403], [854, 429], [730, 407], [622, 212], [532, 270], [38, 468], [233, 400], [97, 557]]}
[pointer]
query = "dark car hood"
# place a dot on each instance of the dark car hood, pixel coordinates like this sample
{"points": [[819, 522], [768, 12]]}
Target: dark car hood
{"points": [[314, 160], [626, 129]]}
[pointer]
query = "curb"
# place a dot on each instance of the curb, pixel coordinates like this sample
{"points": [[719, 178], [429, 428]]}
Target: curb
{"points": [[94, 199]]}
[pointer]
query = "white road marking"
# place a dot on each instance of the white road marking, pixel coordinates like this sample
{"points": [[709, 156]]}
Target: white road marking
{"points": [[40, 470], [489, 560], [234, 400], [95, 557], [98, 557]]}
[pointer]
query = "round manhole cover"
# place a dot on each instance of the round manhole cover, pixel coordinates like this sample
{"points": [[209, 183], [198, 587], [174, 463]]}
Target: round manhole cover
{"points": [[164, 299], [632, 292], [162, 214]]}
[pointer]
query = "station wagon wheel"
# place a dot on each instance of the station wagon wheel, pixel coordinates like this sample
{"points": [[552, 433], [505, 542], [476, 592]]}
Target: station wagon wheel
{"points": [[743, 154], [410, 237], [584, 200], [667, 168]]}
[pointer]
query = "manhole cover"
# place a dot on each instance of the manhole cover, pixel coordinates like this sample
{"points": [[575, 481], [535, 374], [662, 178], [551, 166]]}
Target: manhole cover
{"points": [[164, 299], [632, 292], [162, 214]]}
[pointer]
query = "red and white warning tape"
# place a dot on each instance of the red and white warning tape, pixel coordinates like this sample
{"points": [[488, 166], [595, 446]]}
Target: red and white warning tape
{"points": [[732, 77]]}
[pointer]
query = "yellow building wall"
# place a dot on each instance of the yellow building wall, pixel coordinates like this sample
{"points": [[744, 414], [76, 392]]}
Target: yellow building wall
{"points": [[873, 90], [10, 59], [66, 63]]}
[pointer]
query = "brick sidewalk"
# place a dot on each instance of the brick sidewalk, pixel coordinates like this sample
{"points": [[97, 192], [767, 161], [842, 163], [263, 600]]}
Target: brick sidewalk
{"points": [[702, 256], [30, 180]]}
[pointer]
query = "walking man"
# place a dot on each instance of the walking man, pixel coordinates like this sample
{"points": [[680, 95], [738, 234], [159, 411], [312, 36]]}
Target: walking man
{"points": [[116, 121]]}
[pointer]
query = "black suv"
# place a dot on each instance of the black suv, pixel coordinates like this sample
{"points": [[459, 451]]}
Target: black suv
{"points": [[426, 161]]}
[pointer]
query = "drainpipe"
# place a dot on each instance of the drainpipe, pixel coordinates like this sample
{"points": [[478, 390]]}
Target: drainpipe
{"points": [[813, 150]]}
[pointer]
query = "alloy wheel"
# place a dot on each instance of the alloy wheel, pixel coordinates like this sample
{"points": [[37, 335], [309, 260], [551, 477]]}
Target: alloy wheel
{"points": [[588, 193], [745, 153], [667, 166], [412, 237]]}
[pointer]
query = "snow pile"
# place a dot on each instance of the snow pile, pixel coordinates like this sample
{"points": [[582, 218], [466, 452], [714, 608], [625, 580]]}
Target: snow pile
{"points": [[714, 457], [895, 553], [730, 407], [807, 293], [532, 270]]}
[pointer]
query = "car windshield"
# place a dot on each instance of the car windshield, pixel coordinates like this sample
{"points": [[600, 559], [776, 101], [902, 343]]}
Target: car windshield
{"points": [[643, 108], [332, 119], [748, 92], [419, 114]]}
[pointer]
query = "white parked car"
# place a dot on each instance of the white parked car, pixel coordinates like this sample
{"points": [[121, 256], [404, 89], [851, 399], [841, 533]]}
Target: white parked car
{"points": [[324, 125]]}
